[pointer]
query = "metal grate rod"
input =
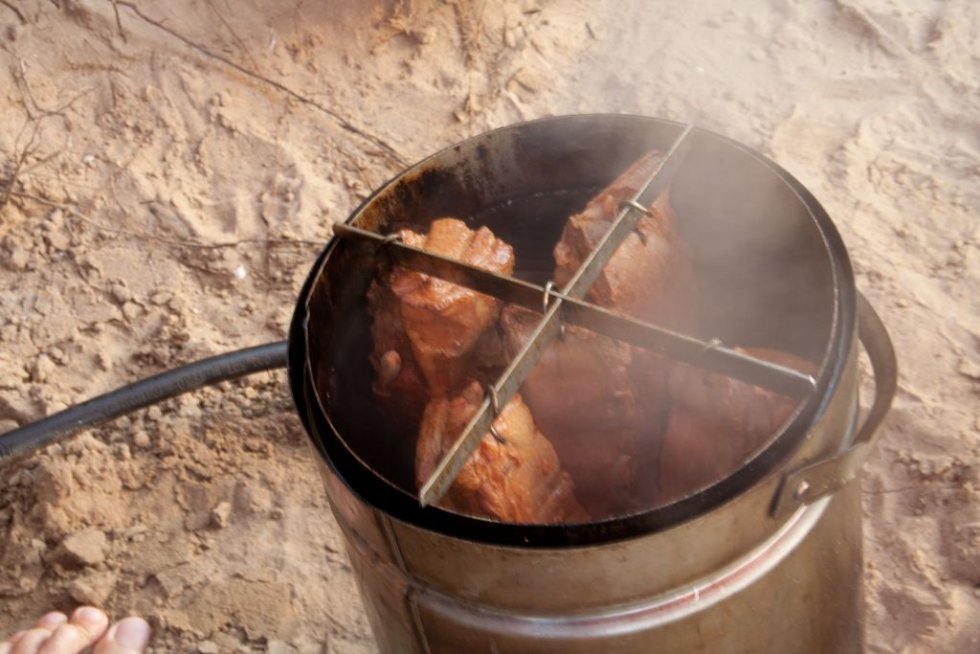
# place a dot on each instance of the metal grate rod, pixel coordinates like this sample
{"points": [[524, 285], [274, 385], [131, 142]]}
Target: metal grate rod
{"points": [[550, 326], [710, 355]]}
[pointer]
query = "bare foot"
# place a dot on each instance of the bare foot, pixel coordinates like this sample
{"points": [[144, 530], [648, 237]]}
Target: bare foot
{"points": [[55, 633]]}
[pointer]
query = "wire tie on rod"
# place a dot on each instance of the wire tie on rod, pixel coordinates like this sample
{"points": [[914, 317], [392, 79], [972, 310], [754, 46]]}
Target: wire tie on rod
{"points": [[495, 406], [388, 239], [645, 211], [712, 344], [546, 302], [546, 297]]}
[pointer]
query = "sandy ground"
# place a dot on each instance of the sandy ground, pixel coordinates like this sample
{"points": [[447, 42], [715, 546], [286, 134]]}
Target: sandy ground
{"points": [[167, 175]]}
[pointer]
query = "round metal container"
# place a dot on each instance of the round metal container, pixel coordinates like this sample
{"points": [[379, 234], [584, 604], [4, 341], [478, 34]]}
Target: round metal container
{"points": [[767, 559]]}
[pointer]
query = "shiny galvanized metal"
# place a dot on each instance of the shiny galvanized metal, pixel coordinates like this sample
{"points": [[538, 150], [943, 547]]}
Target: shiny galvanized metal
{"points": [[756, 562]]}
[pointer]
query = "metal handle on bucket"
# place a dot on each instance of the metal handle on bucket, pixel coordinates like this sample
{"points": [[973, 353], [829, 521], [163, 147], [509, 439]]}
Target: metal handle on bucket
{"points": [[825, 477]]}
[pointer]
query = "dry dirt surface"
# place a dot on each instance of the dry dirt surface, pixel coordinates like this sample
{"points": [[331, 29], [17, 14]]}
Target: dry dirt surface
{"points": [[168, 171]]}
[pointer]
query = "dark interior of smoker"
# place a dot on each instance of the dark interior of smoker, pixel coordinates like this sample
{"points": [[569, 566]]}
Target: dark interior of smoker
{"points": [[764, 276]]}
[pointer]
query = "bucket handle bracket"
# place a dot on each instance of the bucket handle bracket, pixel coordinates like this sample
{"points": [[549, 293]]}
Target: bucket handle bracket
{"points": [[825, 477]]}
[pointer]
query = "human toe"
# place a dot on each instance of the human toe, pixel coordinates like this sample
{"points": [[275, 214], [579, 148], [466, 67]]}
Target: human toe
{"points": [[128, 636], [86, 626], [52, 621], [28, 642], [48, 622]]}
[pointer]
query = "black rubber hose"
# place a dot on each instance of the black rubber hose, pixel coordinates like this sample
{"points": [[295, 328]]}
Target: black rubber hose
{"points": [[127, 399]]}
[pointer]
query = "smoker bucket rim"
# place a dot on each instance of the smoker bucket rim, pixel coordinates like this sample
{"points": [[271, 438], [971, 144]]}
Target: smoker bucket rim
{"points": [[382, 495]]}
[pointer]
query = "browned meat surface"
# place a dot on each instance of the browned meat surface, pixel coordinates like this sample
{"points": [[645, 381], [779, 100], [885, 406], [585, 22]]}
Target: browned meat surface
{"points": [[649, 275], [716, 422], [429, 336], [426, 331], [443, 321], [582, 396], [601, 402], [518, 480]]}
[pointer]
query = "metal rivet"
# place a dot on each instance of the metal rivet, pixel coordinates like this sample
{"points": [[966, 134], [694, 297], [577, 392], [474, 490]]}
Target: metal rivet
{"points": [[801, 489]]}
